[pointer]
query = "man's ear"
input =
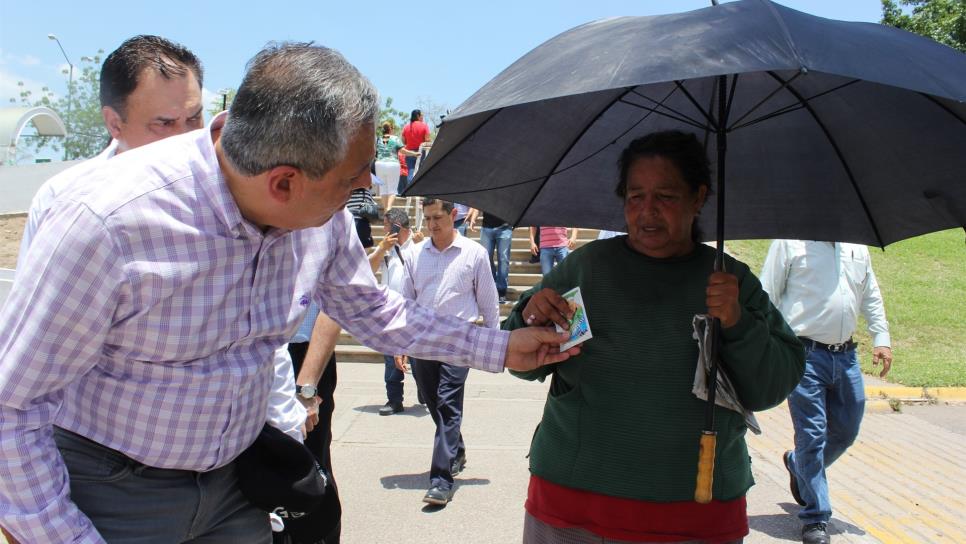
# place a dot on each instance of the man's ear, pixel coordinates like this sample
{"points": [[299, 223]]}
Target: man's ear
{"points": [[113, 121], [285, 183]]}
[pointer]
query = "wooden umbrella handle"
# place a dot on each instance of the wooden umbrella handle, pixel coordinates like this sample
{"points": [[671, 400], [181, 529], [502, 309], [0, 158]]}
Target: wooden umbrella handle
{"points": [[702, 490]]}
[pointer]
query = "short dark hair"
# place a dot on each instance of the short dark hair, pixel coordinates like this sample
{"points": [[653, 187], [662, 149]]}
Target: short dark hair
{"points": [[414, 116], [685, 152], [444, 204], [123, 67], [396, 216]]}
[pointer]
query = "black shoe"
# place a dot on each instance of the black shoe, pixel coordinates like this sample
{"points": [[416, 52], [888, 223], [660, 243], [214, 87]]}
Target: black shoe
{"points": [[502, 299], [391, 408], [458, 464], [438, 496], [792, 479], [815, 533]]}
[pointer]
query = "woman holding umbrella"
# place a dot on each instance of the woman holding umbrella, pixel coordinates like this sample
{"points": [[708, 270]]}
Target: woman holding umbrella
{"points": [[615, 456]]}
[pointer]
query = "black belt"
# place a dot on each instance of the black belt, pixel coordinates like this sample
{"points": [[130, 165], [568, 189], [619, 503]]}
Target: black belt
{"points": [[810, 344]]}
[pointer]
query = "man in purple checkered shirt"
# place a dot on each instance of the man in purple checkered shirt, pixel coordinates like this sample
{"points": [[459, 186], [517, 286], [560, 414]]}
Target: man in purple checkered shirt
{"points": [[145, 317]]}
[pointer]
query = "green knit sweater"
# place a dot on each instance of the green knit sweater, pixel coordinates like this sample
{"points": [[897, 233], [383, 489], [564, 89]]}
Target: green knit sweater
{"points": [[620, 418]]}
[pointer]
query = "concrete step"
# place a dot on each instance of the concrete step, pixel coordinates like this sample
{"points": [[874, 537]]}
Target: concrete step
{"points": [[357, 354]]}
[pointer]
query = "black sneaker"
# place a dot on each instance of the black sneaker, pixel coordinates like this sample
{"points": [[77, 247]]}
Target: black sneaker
{"points": [[458, 464], [815, 533], [438, 496], [503, 299], [391, 408], [792, 479]]}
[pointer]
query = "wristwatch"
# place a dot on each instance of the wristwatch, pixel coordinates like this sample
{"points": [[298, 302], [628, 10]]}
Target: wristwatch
{"points": [[307, 391]]}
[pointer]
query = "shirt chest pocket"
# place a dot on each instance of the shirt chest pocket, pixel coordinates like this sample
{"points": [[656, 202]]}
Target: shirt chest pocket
{"points": [[856, 269]]}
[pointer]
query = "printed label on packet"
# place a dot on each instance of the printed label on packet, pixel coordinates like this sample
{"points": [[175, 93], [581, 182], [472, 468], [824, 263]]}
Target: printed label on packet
{"points": [[579, 325]]}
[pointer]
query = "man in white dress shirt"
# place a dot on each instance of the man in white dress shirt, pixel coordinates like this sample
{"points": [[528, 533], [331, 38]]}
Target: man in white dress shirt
{"points": [[820, 288], [387, 258], [451, 274]]}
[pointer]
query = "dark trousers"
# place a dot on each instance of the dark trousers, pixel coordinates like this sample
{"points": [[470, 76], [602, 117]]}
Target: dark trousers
{"points": [[411, 167], [442, 386], [395, 379], [320, 439], [129, 502]]}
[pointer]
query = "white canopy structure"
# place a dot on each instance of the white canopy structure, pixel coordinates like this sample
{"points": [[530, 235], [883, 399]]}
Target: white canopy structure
{"points": [[14, 120]]}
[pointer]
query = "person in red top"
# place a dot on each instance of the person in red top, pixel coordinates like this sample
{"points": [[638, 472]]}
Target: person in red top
{"points": [[552, 245], [414, 134]]}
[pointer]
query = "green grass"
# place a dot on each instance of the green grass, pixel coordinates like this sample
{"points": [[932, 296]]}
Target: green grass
{"points": [[923, 283]]}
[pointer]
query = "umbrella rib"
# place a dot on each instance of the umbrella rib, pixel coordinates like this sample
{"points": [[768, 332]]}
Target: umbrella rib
{"points": [[943, 107], [707, 115], [553, 171], [763, 100], [682, 119], [469, 135], [838, 153], [731, 97], [792, 107]]}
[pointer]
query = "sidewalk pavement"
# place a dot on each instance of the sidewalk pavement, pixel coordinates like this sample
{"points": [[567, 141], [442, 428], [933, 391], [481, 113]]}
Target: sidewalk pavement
{"points": [[901, 481]]}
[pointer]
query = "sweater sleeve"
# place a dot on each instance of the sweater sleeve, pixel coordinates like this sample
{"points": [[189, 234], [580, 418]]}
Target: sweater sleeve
{"points": [[516, 321], [761, 353]]}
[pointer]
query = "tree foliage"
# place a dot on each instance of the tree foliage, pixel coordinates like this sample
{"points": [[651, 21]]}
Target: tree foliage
{"points": [[393, 116], [433, 112], [941, 20], [221, 102], [79, 107]]}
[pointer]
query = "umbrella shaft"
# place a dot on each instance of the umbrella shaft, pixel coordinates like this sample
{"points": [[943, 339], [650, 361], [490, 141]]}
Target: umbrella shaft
{"points": [[721, 137]]}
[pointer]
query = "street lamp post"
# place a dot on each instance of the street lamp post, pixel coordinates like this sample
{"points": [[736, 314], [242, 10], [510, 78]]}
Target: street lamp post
{"points": [[70, 91]]}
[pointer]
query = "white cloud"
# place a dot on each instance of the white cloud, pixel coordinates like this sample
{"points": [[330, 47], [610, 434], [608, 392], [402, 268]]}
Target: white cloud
{"points": [[24, 60]]}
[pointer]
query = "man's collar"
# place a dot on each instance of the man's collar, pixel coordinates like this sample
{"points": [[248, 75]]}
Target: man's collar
{"points": [[455, 243], [216, 185]]}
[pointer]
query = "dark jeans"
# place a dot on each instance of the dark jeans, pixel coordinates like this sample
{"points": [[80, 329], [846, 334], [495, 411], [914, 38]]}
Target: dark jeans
{"points": [[498, 239], [395, 379], [129, 502], [460, 225], [320, 439], [826, 409], [442, 386], [411, 167]]}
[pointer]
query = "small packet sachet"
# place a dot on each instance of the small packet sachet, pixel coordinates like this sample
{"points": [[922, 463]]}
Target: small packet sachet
{"points": [[579, 325]]}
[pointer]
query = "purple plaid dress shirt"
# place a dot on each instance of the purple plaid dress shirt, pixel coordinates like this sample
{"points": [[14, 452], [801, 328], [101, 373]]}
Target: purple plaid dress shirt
{"points": [[146, 315]]}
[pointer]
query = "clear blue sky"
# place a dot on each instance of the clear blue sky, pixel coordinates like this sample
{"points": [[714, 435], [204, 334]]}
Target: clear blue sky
{"points": [[438, 50]]}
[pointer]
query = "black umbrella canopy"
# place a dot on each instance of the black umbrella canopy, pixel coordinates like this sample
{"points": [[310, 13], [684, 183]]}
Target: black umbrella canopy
{"points": [[835, 130]]}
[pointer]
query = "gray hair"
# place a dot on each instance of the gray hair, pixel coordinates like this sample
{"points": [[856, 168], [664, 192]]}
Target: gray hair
{"points": [[397, 216], [299, 105]]}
